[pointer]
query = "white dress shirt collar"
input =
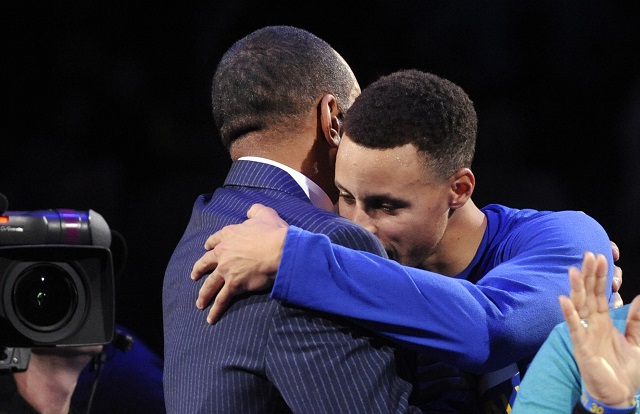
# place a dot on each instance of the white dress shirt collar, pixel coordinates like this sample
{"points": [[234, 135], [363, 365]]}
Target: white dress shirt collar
{"points": [[316, 194]]}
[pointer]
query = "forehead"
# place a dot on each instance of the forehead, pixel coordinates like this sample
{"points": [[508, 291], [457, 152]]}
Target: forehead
{"points": [[392, 170]]}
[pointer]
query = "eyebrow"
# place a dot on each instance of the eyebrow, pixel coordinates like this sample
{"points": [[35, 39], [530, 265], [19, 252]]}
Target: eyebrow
{"points": [[385, 198]]}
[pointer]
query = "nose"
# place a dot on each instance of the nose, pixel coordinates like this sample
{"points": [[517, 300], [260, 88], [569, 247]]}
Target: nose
{"points": [[362, 218]]}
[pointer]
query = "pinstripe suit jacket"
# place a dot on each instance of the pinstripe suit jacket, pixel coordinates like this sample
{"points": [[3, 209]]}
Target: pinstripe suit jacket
{"points": [[263, 357]]}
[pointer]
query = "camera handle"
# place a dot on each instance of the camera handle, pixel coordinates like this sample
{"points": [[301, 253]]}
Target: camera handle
{"points": [[15, 359]]}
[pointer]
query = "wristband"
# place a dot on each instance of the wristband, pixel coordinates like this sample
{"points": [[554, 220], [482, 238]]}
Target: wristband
{"points": [[594, 406]]}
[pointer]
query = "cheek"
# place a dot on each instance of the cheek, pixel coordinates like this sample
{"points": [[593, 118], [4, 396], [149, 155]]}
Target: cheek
{"points": [[429, 235], [413, 234], [392, 229]]}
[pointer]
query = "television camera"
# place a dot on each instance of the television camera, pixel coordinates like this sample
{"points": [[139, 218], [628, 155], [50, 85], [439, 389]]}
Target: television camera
{"points": [[56, 281]]}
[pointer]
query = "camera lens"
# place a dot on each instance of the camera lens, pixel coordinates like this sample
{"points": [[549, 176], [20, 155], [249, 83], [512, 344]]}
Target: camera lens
{"points": [[44, 297]]}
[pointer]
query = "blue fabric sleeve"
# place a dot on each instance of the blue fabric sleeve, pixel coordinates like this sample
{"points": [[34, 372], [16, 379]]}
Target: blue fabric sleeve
{"points": [[481, 327]]}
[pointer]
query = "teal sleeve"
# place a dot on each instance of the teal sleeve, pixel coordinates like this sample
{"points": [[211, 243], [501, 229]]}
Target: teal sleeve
{"points": [[552, 382]]}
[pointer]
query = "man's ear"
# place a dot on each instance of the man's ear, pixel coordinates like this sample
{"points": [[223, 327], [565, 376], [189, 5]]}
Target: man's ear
{"points": [[330, 120], [462, 184]]}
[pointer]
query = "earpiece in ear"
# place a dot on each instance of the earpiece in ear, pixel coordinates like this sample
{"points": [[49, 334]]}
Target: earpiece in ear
{"points": [[335, 136], [336, 129]]}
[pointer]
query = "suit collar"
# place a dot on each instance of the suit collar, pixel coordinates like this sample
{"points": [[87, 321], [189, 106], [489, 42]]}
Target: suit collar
{"points": [[263, 173]]}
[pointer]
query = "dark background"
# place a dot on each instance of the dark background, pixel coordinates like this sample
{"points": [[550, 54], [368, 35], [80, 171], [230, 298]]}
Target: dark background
{"points": [[105, 106]]}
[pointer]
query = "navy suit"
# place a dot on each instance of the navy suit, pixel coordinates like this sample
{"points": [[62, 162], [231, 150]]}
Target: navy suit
{"points": [[264, 357]]}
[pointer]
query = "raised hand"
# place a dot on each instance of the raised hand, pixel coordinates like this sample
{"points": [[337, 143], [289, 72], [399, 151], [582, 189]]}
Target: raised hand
{"points": [[243, 257], [609, 361]]}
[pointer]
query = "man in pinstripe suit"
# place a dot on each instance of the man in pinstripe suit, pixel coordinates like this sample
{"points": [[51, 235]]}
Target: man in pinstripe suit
{"points": [[278, 97]]}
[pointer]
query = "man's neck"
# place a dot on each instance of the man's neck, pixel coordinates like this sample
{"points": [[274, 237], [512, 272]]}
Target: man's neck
{"points": [[460, 242], [310, 157]]}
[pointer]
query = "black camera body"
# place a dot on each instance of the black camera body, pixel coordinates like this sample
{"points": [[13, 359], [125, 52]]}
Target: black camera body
{"points": [[56, 279]]}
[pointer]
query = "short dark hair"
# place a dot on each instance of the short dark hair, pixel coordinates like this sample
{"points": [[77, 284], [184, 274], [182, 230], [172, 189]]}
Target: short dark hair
{"points": [[419, 108], [273, 74]]}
